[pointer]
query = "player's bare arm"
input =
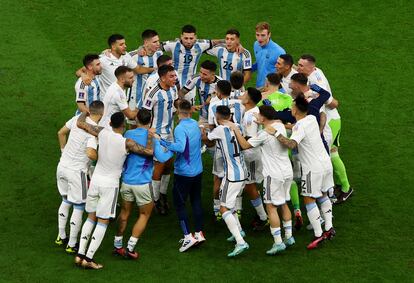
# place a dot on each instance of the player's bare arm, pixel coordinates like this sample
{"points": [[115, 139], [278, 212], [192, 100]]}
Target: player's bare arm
{"points": [[130, 114], [82, 107], [132, 146], [143, 70], [62, 136], [182, 92], [334, 103], [247, 75], [282, 139], [322, 121], [92, 153], [91, 129]]}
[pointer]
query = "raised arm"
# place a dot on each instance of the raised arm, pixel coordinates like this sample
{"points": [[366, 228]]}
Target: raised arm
{"points": [[91, 129]]}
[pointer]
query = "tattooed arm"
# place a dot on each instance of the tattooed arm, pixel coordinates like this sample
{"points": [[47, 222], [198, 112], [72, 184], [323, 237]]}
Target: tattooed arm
{"points": [[282, 139], [139, 149], [91, 129]]}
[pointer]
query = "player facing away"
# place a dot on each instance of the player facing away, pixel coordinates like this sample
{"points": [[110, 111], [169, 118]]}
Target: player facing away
{"points": [[237, 84], [103, 191], [86, 94], [151, 45], [115, 99], [136, 185], [235, 174], [161, 101], [316, 166], [306, 65], [188, 171], [116, 57], [77, 151], [278, 174], [252, 156], [229, 59], [205, 84]]}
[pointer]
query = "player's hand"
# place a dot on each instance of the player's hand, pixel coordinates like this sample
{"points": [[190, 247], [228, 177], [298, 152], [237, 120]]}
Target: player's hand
{"points": [[239, 49], [142, 52], [195, 108], [270, 130], [229, 124], [86, 79]]}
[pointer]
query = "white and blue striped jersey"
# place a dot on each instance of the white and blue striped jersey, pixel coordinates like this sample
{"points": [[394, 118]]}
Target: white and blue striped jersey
{"points": [[204, 90], [186, 60], [135, 93], [236, 93], [161, 102], [153, 80], [230, 62], [234, 166], [236, 109], [87, 93]]}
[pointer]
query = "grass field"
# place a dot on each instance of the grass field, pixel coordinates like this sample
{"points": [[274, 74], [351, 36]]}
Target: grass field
{"points": [[365, 49]]}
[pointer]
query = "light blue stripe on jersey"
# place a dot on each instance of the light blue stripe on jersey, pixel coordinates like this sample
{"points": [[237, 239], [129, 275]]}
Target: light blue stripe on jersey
{"points": [[138, 90], [229, 62], [160, 112], [176, 56], [240, 63], [170, 116], [230, 148], [219, 55], [237, 113], [199, 53], [98, 89], [204, 98]]}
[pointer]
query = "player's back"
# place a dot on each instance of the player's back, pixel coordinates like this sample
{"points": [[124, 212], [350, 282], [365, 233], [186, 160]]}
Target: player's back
{"points": [[312, 153], [112, 154], [74, 154], [236, 109], [137, 168], [114, 98]]}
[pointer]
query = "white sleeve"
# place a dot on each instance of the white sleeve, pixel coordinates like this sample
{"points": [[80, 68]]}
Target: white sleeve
{"points": [[215, 134], [131, 63], [247, 61], [298, 133], [80, 89], [92, 143], [258, 140], [69, 124], [213, 51], [250, 125], [204, 44], [121, 101], [190, 84], [149, 102], [168, 46], [210, 114]]}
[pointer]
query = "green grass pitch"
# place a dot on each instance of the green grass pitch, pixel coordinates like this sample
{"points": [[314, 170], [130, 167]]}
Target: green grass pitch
{"points": [[365, 49]]}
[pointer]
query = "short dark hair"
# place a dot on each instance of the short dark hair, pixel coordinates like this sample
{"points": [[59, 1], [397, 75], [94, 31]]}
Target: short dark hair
{"points": [[233, 31], [287, 59], [96, 107], [117, 119], [113, 38], [237, 80], [144, 116], [185, 105], [308, 57], [121, 70], [274, 79], [301, 103], [224, 87], [163, 59], [224, 111], [164, 69], [148, 34], [209, 65], [299, 78], [188, 29], [268, 112], [254, 94], [89, 58]]}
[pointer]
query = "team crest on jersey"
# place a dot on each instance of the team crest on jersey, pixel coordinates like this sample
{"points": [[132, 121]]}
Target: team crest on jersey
{"points": [[148, 103], [81, 95], [247, 63]]}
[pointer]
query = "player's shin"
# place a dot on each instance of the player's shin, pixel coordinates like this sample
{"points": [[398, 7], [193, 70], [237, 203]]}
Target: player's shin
{"points": [[75, 224], [232, 226], [63, 213], [326, 209], [85, 235], [96, 240], [314, 218]]}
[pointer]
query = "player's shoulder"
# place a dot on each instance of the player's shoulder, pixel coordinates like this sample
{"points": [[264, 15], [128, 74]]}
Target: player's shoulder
{"points": [[203, 41], [246, 53], [154, 91]]}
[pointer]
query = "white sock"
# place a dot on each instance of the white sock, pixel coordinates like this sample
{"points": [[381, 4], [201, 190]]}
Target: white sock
{"points": [[232, 226], [276, 233], [85, 234], [326, 209], [156, 189], [287, 226], [165, 179], [237, 221], [96, 239], [131, 243], [314, 218], [258, 205], [63, 213], [239, 203], [216, 206], [75, 225], [118, 242]]}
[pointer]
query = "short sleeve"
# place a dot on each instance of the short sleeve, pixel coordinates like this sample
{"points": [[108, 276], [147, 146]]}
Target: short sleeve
{"points": [[168, 46], [121, 101], [215, 134], [250, 125], [148, 102], [258, 140], [298, 133], [211, 114], [214, 51], [131, 63], [204, 44], [92, 143], [190, 84], [72, 122], [247, 61], [80, 89]]}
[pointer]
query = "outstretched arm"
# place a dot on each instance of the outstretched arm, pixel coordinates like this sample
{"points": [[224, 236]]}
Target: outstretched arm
{"points": [[91, 129]]}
